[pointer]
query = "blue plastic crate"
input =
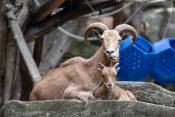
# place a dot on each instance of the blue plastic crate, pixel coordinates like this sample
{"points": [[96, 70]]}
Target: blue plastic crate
{"points": [[136, 61], [164, 67]]}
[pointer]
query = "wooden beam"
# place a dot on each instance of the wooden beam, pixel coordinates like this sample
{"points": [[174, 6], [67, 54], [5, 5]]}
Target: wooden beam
{"points": [[46, 9], [23, 17], [35, 31], [19, 38]]}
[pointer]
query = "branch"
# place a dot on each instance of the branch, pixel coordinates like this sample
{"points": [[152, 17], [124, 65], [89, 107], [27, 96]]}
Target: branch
{"points": [[51, 23], [46, 9]]}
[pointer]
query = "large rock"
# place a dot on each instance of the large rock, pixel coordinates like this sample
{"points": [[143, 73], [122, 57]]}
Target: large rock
{"points": [[154, 100], [58, 108]]}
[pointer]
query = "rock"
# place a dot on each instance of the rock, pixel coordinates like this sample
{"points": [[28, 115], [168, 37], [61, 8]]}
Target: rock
{"points": [[60, 108], [149, 92], [152, 101]]}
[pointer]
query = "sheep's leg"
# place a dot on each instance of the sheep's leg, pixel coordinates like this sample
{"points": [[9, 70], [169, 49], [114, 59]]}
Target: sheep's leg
{"points": [[126, 95], [130, 95], [73, 92], [98, 93]]}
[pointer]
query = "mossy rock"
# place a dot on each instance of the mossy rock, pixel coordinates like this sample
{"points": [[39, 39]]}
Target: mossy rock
{"points": [[149, 92]]}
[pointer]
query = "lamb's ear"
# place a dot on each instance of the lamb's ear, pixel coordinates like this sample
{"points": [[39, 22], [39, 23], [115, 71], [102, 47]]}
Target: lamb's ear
{"points": [[99, 69], [101, 66], [116, 65], [118, 68]]}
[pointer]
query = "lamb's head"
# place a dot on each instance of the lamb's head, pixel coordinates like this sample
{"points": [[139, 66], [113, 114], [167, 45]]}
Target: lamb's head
{"points": [[110, 38], [108, 75]]}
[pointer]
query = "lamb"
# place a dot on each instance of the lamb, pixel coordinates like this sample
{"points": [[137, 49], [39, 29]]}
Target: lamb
{"points": [[77, 77], [106, 89]]}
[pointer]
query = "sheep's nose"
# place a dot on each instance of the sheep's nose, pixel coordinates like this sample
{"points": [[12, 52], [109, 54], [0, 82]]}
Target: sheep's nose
{"points": [[110, 85], [109, 50]]}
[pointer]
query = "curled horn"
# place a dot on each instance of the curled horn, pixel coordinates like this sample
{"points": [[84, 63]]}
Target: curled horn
{"points": [[102, 65], [117, 67], [123, 28], [99, 27]]}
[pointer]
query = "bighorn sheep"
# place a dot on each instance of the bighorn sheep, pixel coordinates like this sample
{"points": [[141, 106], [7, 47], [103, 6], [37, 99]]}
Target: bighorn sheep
{"points": [[77, 78], [107, 90]]}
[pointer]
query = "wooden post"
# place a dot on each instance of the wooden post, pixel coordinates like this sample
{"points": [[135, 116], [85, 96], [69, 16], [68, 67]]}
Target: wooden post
{"points": [[20, 41]]}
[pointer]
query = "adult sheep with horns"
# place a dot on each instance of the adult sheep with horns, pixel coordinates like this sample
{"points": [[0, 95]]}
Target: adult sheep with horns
{"points": [[77, 77]]}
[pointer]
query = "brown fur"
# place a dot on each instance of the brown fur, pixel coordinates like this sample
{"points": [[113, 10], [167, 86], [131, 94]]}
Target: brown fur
{"points": [[72, 61]]}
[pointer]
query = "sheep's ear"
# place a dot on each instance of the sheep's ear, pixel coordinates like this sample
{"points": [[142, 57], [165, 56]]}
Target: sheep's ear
{"points": [[118, 68]]}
